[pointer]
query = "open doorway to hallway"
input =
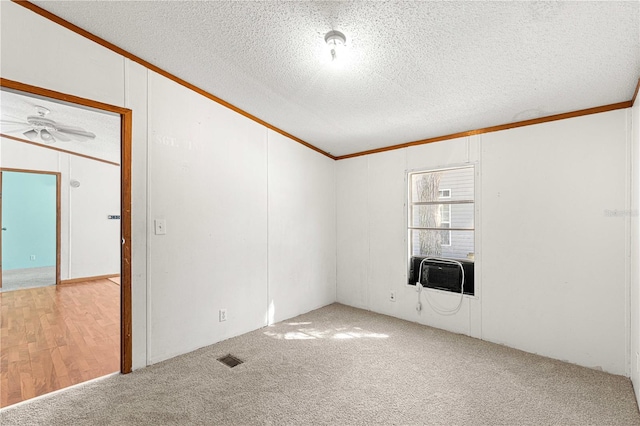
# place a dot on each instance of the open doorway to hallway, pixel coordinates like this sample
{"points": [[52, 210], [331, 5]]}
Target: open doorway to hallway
{"points": [[74, 325]]}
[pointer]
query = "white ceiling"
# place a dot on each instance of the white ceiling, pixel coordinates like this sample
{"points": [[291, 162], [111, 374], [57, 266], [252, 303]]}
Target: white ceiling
{"points": [[414, 70], [17, 106]]}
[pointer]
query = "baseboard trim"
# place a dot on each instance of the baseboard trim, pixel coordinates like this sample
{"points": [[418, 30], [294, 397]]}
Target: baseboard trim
{"points": [[59, 391], [83, 279]]}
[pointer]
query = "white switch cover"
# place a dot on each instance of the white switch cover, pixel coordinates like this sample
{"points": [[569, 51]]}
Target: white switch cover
{"points": [[160, 226]]}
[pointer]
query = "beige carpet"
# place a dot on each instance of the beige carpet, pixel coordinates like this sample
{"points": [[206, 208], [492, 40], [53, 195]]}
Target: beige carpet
{"points": [[18, 279], [344, 366]]}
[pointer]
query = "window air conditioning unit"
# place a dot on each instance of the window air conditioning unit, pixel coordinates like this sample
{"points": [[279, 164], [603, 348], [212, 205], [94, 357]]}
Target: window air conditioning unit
{"points": [[442, 275]]}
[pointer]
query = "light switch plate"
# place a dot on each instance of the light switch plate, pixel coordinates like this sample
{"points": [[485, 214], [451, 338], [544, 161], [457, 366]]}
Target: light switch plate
{"points": [[160, 226]]}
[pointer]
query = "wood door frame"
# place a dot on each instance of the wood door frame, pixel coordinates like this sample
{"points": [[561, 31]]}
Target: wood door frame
{"points": [[58, 176], [126, 355]]}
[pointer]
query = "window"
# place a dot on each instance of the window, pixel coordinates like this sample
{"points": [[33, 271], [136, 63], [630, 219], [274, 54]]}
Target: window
{"points": [[441, 213], [441, 224]]}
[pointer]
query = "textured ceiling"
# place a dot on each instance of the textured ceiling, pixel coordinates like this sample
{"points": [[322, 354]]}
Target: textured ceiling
{"points": [[17, 106], [412, 70]]}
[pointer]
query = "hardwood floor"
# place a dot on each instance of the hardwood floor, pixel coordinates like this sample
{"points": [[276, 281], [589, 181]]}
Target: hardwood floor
{"points": [[57, 336]]}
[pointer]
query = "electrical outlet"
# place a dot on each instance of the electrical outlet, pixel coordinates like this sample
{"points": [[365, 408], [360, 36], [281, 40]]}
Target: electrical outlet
{"points": [[392, 296], [222, 315], [32, 257], [638, 362]]}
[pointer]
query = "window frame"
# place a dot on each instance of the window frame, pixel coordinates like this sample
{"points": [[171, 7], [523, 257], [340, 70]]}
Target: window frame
{"points": [[476, 259], [409, 204], [441, 194]]}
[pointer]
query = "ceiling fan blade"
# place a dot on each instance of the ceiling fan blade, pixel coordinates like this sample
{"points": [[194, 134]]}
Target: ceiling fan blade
{"points": [[11, 122], [14, 130], [12, 116], [60, 136], [75, 131], [10, 126]]}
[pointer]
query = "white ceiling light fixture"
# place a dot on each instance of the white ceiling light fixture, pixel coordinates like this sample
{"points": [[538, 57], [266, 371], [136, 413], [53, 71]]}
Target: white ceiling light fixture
{"points": [[336, 42]]}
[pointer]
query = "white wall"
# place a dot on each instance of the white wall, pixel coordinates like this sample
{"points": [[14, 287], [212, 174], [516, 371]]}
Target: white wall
{"points": [[208, 180], [550, 265], [302, 229], [236, 197], [635, 248], [89, 243], [554, 264], [58, 59], [94, 240]]}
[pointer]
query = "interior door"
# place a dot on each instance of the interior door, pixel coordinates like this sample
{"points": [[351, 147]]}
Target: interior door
{"points": [[30, 231]]}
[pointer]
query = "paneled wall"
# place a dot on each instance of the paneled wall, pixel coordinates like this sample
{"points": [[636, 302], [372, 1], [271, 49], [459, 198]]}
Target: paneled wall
{"points": [[224, 185], [552, 259]]}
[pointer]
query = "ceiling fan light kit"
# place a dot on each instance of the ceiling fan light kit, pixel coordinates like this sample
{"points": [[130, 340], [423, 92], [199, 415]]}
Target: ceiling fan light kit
{"points": [[46, 136]]}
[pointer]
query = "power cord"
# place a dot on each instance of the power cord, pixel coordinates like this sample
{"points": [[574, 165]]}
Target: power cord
{"points": [[437, 308]]}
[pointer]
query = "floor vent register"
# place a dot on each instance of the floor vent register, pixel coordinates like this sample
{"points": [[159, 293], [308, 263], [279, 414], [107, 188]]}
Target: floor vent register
{"points": [[230, 360]]}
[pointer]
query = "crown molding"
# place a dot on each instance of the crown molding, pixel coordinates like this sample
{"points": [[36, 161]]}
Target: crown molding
{"points": [[635, 94], [563, 116]]}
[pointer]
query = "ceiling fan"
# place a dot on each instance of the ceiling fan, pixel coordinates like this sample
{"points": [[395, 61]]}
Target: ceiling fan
{"points": [[47, 130]]}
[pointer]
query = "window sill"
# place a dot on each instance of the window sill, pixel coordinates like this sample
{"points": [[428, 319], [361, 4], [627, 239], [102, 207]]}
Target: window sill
{"points": [[439, 291]]}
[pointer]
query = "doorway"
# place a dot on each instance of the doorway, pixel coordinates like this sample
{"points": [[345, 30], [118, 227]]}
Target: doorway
{"points": [[121, 217], [30, 219]]}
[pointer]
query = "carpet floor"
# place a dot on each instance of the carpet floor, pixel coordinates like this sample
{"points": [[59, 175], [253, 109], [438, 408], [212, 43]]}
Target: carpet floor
{"points": [[18, 279], [345, 366]]}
